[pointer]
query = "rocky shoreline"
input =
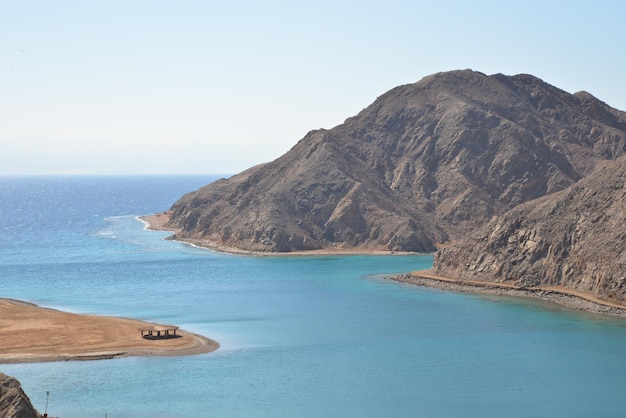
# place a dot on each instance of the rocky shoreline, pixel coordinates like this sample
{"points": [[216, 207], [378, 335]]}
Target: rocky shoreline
{"points": [[563, 297], [13, 401], [158, 222]]}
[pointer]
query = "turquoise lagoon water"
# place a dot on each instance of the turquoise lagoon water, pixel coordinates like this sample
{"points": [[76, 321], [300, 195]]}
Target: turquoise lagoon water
{"points": [[300, 336]]}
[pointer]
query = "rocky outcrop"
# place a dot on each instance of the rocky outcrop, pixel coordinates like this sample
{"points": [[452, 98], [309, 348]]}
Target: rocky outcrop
{"points": [[572, 239], [13, 401], [426, 163]]}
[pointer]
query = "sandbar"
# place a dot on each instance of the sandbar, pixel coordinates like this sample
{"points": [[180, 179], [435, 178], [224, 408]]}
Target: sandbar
{"points": [[30, 333], [565, 297]]}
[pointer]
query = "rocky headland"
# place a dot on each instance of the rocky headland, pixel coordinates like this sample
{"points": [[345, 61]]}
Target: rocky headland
{"points": [[573, 239], [509, 178], [14, 403]]}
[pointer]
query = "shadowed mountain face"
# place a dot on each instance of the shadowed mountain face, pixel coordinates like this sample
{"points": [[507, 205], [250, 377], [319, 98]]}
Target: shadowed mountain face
{"points": [[574, 238], [13, 401], [425, 163]]}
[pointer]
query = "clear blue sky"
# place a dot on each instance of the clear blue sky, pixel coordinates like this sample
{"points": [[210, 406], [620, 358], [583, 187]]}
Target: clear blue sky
{"points": [[145, 87]]}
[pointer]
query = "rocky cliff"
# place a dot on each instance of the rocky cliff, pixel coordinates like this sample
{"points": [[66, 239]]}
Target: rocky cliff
{"points": [[425, 163], [572, 239], [13, 401]]}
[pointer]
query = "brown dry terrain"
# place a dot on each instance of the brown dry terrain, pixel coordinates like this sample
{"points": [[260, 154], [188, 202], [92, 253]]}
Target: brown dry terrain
{"points": [[34, 334], [572, 239], [425, 163], [509, 178], [159, 222], [13, 401]]}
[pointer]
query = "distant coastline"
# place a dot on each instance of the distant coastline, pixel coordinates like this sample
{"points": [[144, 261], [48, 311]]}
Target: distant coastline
{"points": [[33, 334], [561, 296]]}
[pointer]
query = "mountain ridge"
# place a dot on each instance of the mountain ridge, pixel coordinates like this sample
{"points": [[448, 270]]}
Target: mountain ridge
{"points": [[425, 163], [573, 238]]}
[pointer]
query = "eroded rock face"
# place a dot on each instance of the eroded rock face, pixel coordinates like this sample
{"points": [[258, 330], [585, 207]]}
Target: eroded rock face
{"points": [[13, 401], [425, 163], [574, 238]]}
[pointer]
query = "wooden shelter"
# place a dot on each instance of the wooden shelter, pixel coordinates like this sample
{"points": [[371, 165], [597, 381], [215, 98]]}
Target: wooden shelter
{"points": [[159, 331]]}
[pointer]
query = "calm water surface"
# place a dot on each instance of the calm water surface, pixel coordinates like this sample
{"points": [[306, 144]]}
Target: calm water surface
{"points": [[301, 336]]}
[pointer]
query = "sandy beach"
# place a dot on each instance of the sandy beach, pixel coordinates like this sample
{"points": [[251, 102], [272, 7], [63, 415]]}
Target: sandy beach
{"points": [[157, 221], [34, 334], [565, 297]]}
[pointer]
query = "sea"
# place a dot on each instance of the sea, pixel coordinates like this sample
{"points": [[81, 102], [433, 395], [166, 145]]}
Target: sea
{"points": [[306, 336]]}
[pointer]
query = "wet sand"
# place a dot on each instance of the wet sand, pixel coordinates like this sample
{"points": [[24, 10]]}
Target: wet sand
{"points": [[30, 333]]}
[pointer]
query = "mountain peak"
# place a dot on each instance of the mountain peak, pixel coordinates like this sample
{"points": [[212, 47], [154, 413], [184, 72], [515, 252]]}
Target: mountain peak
{"points": [[425, 163]]}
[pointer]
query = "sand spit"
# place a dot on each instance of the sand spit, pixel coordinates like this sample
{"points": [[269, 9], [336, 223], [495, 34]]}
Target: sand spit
{"points": [[565, 297], [35, 334]]}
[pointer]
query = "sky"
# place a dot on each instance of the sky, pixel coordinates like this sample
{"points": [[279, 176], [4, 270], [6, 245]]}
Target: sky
{"points": [[197, 87]]}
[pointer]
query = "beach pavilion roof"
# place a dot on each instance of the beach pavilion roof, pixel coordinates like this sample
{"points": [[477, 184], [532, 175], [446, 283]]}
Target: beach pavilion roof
{"points": [[158, 331]]}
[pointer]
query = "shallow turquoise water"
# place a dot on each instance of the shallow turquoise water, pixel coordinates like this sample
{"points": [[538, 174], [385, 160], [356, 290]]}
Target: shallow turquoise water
{"points": [[301, 336]]}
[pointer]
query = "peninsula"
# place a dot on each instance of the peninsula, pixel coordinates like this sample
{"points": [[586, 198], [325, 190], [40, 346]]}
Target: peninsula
{"points": [[507, 179], [34, 334]]}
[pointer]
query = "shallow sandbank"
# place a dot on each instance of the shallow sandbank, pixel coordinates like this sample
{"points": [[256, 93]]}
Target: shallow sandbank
{"points": [[157, 222], [34, 334], [565, 297]]}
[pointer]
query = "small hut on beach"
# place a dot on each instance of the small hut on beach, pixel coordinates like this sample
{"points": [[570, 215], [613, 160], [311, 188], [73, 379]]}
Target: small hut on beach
{"points": [[159, 332]]}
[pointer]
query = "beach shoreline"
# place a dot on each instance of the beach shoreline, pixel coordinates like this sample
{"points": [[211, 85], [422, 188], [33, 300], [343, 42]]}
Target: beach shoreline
{"points": [[33, 334], [158, 221], [561, 296], [565, 297]]}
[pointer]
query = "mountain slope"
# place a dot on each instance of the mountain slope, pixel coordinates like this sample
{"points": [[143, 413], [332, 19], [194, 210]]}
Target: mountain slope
{"points": [[572, 239], [14, 403], [425, 163]]}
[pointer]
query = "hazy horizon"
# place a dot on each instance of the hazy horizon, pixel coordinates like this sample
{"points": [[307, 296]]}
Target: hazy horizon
{"points": [[208, 87]]}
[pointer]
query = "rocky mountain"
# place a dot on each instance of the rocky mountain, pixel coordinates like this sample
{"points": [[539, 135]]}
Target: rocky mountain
{"points": [[426, 163], [572, 239], [13, 401]]}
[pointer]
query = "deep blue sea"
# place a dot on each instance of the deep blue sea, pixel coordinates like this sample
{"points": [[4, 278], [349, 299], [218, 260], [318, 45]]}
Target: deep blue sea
{"points": [[300, 336]]}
